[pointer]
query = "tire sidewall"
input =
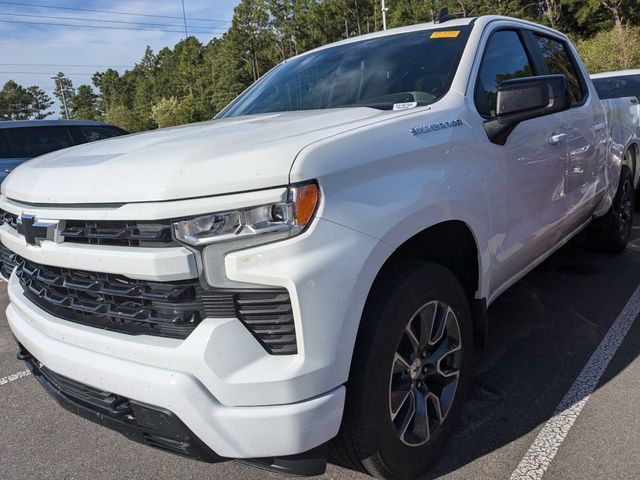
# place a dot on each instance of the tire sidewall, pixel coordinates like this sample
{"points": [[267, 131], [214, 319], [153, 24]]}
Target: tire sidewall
{"points": [[397, 458]]}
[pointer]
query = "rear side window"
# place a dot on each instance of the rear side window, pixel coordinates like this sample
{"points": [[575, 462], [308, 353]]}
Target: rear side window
{"points": [[31, 142], [5, 149], [558, 61], [618, 86], [504, 58], [92, 133]]}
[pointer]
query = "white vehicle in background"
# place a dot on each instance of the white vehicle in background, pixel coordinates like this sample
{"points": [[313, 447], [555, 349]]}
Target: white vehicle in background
{"points": [[613, 86], [622, 83], [310, 270]]}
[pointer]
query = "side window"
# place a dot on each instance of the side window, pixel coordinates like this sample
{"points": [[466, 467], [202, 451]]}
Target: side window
{"points": [[558, 61], [31, 142], [92, 133], [504, 58], [5, 148]]}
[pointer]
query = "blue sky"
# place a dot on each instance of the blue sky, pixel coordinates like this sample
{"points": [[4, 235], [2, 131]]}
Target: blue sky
{"points": [[23, 45]]}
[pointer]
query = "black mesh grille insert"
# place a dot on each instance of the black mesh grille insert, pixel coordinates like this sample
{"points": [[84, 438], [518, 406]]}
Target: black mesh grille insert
{"points": [[270, 318], [8, 261], [113, 302], [10, 219], [172, 310]]}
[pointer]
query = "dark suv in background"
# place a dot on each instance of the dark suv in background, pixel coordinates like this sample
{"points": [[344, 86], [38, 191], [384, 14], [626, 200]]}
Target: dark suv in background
{"points": [[24, 139]]}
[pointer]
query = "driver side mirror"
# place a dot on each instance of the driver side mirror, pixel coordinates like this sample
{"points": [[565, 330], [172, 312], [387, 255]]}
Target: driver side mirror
{"points": [[521, 99]]}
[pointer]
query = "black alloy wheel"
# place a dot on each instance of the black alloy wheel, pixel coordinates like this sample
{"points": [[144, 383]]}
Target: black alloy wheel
{"points": [[425, 373]]}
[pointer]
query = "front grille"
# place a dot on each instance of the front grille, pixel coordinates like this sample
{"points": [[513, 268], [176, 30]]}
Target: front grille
{"points": [[10, 219], [8, 261], [114, 302], [173, 310], [116, 233], [126, 234]]}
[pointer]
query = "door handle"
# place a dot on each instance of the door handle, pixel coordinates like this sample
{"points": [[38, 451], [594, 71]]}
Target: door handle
{"points": [[600, 126], [556, 138]]}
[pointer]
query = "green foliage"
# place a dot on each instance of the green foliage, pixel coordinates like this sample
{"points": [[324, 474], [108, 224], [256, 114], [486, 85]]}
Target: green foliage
{"points": [[40, 103], [19, 103], [614, 49], [122, 117], [166, 112], [192, 82], [84, 104]]}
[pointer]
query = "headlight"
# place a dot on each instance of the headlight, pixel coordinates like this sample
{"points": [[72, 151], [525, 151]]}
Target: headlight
{"points": [[273, 222]]}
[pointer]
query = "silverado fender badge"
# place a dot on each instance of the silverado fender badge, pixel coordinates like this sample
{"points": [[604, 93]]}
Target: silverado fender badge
{"points": [[435, 126], [33, 230]]}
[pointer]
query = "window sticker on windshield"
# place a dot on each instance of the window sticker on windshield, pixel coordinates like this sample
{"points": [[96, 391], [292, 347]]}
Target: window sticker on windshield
{"points": [[404, 106], [446, 34]]}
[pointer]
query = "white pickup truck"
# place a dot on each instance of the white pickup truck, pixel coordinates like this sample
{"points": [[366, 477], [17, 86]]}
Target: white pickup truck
{"points": [[307, 273]]}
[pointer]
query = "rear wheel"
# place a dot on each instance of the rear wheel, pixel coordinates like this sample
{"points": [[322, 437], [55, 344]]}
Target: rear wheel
{"points": [[410, 372], [610, 233]]}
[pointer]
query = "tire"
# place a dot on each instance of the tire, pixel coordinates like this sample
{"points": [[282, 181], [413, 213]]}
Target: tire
{"points": [[611, 232], [370, 439]]}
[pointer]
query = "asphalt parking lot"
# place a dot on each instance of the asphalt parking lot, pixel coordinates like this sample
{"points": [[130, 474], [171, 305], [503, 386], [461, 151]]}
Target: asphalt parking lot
{"points": [[543, 333]]}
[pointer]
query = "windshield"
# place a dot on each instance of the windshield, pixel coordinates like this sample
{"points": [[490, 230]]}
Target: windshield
{"points": [[379, 73], [616, 87]]}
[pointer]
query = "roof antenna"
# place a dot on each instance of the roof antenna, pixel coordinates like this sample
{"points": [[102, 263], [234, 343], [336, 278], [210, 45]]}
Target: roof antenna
{"points": [[443, 16]]}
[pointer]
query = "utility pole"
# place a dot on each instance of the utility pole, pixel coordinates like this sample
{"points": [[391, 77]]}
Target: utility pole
{"points": [[184, 17], [384, 16], [64, 100]]}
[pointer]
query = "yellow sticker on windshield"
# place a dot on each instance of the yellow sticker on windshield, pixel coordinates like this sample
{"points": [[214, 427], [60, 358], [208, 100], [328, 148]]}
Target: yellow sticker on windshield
{"points": [[445, 34]]}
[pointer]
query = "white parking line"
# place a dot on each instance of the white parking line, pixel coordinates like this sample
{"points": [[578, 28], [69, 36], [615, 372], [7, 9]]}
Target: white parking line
{"points": [[536, 461], [14, 377]]}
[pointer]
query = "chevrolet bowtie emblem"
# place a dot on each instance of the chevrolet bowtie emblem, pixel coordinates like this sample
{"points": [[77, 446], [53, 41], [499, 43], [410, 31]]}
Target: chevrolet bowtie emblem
{"points": [[33, 230]]}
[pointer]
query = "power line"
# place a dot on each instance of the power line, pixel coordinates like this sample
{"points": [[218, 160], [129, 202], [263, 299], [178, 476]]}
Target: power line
{"points": [[44, 73], [102, 27], [111, 11], [62, 65], [53, 17]]}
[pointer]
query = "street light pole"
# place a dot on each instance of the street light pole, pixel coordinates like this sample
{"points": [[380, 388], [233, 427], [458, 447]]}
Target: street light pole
{"points": [[64, 100], [384, 16]]}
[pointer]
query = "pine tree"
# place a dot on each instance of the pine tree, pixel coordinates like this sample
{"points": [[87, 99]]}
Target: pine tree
{"points": [[84, 104], [40, 103]]}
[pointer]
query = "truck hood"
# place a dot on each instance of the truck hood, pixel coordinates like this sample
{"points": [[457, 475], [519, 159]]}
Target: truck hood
{"points": [[204, 159]]}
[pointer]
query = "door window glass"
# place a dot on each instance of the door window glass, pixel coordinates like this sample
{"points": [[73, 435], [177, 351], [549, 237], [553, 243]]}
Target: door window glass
{"points": [[92, 133], [504, 58], [31, 142], [558, 61]]}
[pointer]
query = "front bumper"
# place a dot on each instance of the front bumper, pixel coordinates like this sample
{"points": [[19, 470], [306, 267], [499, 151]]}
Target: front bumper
{"points": [[234, 432], [142, 423]]}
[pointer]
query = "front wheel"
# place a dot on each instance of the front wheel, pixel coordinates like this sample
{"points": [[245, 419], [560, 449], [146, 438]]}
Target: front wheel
{"points": [[410, 372], [611, 232]]}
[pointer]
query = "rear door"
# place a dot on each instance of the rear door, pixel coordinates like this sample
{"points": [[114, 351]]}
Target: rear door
{"points": [[529, 207], [585, 133]]}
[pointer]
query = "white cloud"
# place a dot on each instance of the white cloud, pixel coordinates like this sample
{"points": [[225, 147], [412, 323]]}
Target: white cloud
{"points": [[48, 45]]}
